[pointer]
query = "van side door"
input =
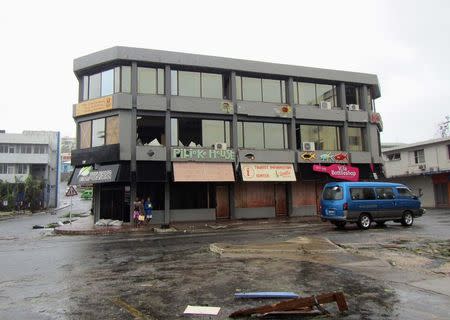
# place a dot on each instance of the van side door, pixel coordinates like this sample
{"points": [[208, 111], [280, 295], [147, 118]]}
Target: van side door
{"points": [[405, 199], [362, 200], [386, 203]]}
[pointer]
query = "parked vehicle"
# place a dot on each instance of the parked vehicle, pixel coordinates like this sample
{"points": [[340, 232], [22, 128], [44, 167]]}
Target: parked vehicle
{"points": [[365, 202], [86, 194]]}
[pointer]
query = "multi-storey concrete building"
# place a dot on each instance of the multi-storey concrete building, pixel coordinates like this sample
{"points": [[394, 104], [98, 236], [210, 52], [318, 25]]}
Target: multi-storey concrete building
{"points": [[34, 153], [216, 138], [424, 167]]}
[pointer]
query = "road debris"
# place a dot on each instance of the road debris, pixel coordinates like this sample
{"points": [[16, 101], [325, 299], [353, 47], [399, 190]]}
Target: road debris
{"points": [[214, 311], [266, 295], [305, 304]]}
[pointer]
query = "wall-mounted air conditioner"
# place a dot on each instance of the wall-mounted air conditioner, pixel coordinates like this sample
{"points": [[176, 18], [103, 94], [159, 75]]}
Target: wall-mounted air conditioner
{"points": [[422, 167], [325, 105], [308, 146], [220, 146], [353, 107]]}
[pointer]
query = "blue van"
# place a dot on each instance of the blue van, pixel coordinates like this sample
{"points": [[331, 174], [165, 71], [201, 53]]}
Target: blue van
{"points": [[365, 202]]}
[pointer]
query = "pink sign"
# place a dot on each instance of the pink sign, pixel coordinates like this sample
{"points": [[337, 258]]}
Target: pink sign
{"points": [[339, 171]]}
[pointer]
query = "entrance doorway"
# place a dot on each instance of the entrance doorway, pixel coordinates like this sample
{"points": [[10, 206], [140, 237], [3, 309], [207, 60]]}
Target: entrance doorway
{"points": [[222, 202], [280, 200], [441, 194], [112, 203]]}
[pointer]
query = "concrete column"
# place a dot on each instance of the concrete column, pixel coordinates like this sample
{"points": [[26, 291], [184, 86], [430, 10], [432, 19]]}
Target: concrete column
{"points": [[133, 125], [342, 102], [363, 93], [292, 139], [168, 141], [234, 141]]}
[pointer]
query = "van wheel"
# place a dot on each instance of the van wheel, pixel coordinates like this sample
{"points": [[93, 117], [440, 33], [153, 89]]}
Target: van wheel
{"points": [[407, 219], [364, 221]]}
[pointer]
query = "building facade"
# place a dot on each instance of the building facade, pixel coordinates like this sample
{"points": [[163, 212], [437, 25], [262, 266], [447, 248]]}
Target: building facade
{"points": [[424, 167], [211, 138], [34, 153]]}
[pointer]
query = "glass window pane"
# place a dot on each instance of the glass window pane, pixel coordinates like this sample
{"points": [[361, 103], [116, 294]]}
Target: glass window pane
{"points": [[307, 93], [212, 132], [295, 92], [189, 84], [98, 132], [147, 80], [126, 79], [351, 94], [286, 144], [112, 130], [283, 91], [85, 88], [174, 82], [271, 90], [355, 139], [325, 92], [238, 88], [227, 133], [328, 138], [160, 81], [212, 85], [273, 136], [309, 134], [174, 131], [240, 136], [85, 134], [251, 89], [253, 133], [116, 79], [94, 86], [107, 82]]}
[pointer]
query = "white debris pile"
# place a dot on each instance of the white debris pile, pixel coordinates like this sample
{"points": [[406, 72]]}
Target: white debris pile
{"points": [[108, 222]]}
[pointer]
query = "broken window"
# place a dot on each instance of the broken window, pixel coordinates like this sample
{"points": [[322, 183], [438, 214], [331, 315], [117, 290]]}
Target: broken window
{"points": [[150, 131]]}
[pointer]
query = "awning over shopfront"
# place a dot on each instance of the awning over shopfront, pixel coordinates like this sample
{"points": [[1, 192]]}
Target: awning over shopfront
{"points": [[203, 172], [268, 172], [89, 175]]}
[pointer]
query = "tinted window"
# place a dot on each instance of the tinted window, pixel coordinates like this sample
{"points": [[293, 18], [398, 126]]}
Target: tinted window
{"points": [[251, 88], [147, 80], [404, 192], [107, 82], [212, 85], [362, 193], [333, 193], [98, 132], [384, 193], [94, 86], [271, 90], [189, 84]]}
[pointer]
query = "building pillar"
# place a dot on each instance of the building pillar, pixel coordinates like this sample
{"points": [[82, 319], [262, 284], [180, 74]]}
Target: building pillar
{"points": [[133, 135], [168, 143], [342, 103], [292, 140], [363, 93], [234, 143]]}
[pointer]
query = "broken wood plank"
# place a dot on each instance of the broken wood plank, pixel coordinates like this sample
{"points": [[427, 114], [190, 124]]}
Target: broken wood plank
{"points": [[295, 304], [266, 295], [202, 310], [290, 313]]}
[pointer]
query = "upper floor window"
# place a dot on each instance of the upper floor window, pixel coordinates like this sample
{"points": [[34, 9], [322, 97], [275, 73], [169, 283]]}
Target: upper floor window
{"points": [[323, 137], [197, 84], [419, 156], [394, 156], [259, 135], [22, 169], [150, 130], [25, 148], [39, 148], [107, 82], [99, 132], [3, 168], [313, 94], [192, 132], [150, 80], [351, 94], [356, 139], [4, 148], [257, 89]]}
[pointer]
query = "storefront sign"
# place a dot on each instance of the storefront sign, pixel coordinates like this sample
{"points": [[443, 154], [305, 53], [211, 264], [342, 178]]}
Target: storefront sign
{"points": [[87, 175], [92, 106], [203, 171], [339, 171], [324, 156], [375, 118], [267, 172], [202, 154]]}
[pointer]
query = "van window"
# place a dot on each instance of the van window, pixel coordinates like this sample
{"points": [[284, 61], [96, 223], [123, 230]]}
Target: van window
{"points": [[384, 193], [362, 193], [405, 192], [332, 193]]}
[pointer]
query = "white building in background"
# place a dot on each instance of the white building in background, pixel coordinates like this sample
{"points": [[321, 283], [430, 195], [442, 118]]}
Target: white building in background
{"points": [[34, 153], [424, 167]]}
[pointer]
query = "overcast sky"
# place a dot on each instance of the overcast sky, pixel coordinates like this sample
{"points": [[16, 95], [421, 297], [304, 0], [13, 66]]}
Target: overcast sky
{"points": [[405, 43]]}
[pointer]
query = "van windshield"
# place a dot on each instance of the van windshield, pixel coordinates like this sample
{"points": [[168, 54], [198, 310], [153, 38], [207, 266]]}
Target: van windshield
{"points": [[332, 193]]}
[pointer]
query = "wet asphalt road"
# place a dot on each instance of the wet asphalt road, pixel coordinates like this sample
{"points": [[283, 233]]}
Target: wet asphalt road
{"points": [[150, 276]]}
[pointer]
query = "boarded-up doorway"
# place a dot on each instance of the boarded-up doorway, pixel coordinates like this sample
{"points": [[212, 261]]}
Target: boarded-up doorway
{"points": [[280, 200], [222, 202]]}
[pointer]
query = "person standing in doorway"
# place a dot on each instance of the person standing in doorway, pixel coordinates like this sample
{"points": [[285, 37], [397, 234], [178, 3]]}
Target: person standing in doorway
{"points": [[148, 207]]}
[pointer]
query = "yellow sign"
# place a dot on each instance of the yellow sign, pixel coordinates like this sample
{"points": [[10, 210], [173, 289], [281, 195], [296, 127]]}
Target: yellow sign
{"points": [[92, 106], [267, 172]]}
